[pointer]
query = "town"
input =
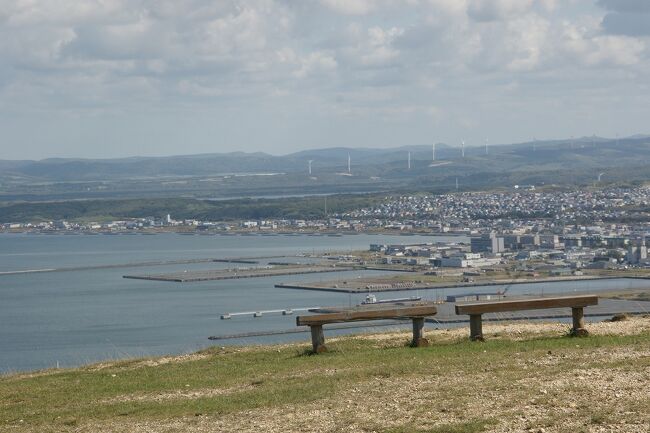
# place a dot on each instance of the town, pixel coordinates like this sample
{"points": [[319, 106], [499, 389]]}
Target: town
{"points": [[570, 230]]}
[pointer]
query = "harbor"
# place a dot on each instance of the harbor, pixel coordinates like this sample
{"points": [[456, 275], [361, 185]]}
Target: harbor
{"points": [[93, 314]]}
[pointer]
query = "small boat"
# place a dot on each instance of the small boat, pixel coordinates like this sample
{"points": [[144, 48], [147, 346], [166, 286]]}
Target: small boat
{"points": [[372, 300]]}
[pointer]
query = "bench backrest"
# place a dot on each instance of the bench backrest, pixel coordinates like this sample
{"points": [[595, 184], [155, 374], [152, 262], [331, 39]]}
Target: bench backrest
{"points": [[527, 304], [374, 314]]}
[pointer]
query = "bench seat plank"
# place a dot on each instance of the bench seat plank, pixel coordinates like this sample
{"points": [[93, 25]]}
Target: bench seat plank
{"points": [[374, 314], [527, 304]]}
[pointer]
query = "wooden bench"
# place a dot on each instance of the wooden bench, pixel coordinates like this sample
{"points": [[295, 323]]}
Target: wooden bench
{"points": [[416, 313], [576, 303]]}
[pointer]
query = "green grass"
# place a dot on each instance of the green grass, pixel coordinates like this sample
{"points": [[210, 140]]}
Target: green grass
{"points": [[274, 377]]}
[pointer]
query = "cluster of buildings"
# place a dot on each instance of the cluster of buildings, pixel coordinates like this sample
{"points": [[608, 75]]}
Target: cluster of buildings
{"points": [[449, 212], [117, 225], [438, 255], [564, 254], [154, 223]]}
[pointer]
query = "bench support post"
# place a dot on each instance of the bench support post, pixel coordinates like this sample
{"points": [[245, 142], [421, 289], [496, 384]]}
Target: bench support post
{"points": [[418, 333], [475, 327], [578, 322], [317, 339]]}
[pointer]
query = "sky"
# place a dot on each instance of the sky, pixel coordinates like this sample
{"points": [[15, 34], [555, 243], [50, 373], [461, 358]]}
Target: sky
{"points": [[112, 78]]}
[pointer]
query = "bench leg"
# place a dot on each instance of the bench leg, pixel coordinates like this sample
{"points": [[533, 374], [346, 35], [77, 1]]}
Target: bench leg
{"points": [[475, 327], [578, 322], [318, 339], [418, 333]]}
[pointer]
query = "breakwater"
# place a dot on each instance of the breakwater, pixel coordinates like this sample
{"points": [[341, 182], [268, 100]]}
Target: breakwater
{"points": [[130, 265], [396, 287], [213, 275]]}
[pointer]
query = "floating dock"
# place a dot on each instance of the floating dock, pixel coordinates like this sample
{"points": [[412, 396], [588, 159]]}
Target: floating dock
{"points": [[260, 313]]}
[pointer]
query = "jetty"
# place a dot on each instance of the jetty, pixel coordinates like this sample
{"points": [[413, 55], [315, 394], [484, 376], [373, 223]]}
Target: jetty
{"points": [[248, 261], [233, 274], [372, 284]]}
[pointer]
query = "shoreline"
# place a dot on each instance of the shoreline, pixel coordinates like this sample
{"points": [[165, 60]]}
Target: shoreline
{"points": [[190, 231], [537, 326]]}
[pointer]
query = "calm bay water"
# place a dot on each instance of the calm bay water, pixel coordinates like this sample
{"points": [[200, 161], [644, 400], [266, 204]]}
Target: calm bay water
{"points": [[83, 316]]}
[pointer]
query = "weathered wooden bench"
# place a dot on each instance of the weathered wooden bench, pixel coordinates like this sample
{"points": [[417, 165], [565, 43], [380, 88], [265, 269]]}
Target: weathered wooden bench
{"points": [[417, 313], [576, 303]]}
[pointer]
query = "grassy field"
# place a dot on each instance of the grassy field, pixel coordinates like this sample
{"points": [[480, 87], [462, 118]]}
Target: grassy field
{"points": [[525, 377]]}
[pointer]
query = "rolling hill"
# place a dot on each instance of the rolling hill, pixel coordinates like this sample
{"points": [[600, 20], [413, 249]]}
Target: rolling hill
{"points": [[556, 162]]}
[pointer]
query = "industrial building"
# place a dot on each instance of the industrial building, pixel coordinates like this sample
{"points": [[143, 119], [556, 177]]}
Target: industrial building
{"points": [[487, 243]]}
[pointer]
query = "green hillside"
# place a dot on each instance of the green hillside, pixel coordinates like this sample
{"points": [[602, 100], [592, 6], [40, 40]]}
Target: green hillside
{"points": [[183, 208], [525, 377]]}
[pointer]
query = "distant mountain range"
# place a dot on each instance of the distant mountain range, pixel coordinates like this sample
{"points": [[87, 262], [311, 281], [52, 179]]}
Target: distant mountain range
{"points": [[585, 152], [560, 162]]}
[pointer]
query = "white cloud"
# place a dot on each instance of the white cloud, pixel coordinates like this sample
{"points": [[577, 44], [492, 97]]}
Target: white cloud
{"points": [[496, 10], [528, 42], [315, 63], [549, 5], [605, 50], [449, 7], [194, 88], [350, 7], [241, 32], [379, 50]]}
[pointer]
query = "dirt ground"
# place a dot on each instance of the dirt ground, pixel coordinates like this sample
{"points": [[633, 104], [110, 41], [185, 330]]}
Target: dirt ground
{"points": [[591, 390]]}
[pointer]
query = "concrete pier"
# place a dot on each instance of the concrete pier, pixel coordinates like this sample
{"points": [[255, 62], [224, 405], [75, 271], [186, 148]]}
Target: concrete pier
{"points": [[212, 275]]}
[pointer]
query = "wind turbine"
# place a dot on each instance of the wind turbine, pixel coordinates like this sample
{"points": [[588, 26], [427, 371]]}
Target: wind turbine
{"points": [[349, 161], [309, 163], [462, 148], [409, 161], [433, 159], [486, 146], [600, 175]]}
